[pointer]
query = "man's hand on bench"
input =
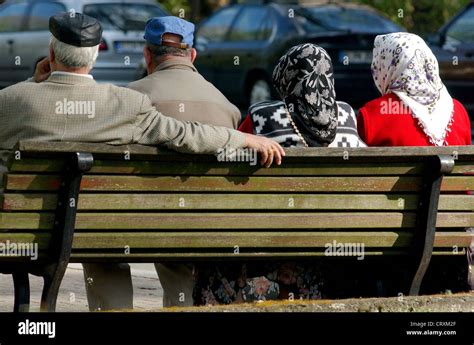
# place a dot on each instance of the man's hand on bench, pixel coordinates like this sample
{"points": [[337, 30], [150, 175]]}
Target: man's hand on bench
{"points": [[269, 150]]}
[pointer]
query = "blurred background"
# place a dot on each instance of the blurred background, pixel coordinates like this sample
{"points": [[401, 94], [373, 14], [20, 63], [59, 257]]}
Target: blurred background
{"points": [[421, 16], [239, 42]]}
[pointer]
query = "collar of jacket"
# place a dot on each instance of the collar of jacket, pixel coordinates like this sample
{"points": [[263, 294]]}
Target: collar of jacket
{"points": [[176, 63], [70, 79]]}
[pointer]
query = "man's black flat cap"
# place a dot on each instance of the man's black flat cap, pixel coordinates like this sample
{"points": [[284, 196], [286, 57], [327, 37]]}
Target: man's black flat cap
{"points": [[76, 29]]}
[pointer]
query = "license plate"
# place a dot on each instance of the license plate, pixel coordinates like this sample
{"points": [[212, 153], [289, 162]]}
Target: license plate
{"points": [[347, 57], [129, 47]]}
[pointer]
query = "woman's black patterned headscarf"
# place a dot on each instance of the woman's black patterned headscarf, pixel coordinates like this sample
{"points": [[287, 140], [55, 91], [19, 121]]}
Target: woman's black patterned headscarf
{"points": [[304, 79]]}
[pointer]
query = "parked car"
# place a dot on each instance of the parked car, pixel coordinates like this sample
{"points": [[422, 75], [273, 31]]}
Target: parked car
{"points": [[453, 45], [24, 35], [239, 45]]}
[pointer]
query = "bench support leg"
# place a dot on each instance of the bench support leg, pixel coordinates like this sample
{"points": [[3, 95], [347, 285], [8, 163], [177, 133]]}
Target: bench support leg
{"points": [[21, 283], [470, 263], [426, 220], [64, 225], [51, 283]]}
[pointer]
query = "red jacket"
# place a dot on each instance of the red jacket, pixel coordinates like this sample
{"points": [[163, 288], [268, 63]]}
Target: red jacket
{"points": [[246, 125], [381, 128]]}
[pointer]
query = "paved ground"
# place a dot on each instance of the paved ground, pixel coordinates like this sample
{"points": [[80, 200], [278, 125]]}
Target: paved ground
{"points": [[72, 295], [436, 303], [148, 297]]}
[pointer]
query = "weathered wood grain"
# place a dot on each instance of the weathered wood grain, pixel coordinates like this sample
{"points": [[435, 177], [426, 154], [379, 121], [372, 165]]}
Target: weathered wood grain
{"points": [[148, 256], [219, 221], [212, 201], [259, 240], [225, 184], [28, 165], [122, 167], [459, 151], [153, 255], [235, 184], [128, 241]]}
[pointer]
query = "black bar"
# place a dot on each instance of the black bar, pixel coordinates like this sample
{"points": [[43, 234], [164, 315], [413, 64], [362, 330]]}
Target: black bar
{"points": [[470, 262], [426, 220], [242, 328]]}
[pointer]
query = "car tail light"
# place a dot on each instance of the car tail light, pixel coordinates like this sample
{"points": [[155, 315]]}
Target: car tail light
{"points": [[103, 46]]}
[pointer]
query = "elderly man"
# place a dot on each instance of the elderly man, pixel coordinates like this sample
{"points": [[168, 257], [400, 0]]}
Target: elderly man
{"points": [[114, 115], [177, 89], [173, 84]]}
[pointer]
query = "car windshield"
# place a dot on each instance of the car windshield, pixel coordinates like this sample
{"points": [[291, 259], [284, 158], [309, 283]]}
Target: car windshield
{"points": [[352, 19], [461, 29], [123, 16]]}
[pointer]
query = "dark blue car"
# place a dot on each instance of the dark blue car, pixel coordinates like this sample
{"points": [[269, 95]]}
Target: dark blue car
{"points": [[453, 46], [239, 45]]}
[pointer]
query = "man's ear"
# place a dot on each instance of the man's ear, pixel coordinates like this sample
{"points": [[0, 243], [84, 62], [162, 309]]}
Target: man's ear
{"points": [[193, 55], [52, 57]]}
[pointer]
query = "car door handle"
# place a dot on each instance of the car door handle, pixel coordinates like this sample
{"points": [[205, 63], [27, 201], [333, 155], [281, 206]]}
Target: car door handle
{"points": [[10, 45]]}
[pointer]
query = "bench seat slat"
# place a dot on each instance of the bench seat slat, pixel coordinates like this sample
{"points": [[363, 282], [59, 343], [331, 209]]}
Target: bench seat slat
{"points": [[28, 165], [124, 202], [130, 202], [78, 256], [156, 152], [235, 184], [253, 220], [217, 184], [260, 240], [210, 169], [153, 256], [229, 240]]}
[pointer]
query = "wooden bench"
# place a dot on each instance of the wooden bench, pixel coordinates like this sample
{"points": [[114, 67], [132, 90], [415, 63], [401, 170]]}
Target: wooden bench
{"points": [[143, 204]]}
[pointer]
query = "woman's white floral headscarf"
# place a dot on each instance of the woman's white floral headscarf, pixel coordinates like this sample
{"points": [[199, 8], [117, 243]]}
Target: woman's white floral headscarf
{"points": [[403, 64], [304, 79]]}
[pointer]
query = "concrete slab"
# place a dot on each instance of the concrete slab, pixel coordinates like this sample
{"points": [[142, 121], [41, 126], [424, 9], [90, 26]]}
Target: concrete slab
{"points": [[72, 295]]}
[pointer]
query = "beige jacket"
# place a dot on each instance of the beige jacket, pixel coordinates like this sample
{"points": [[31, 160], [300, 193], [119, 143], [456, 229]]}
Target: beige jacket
{"points": [[76, 108], [178, 90]]}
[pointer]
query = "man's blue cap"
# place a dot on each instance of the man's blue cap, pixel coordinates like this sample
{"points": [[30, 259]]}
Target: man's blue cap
{"points": [[156, 27]]}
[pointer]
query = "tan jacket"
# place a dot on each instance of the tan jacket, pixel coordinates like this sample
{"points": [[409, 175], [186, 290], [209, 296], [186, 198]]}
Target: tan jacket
{"points": [[76, 108], [178, 90]]}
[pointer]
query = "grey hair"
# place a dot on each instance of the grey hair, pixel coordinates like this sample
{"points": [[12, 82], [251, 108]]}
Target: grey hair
{"points": [[159, 51], [74, 57]]}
